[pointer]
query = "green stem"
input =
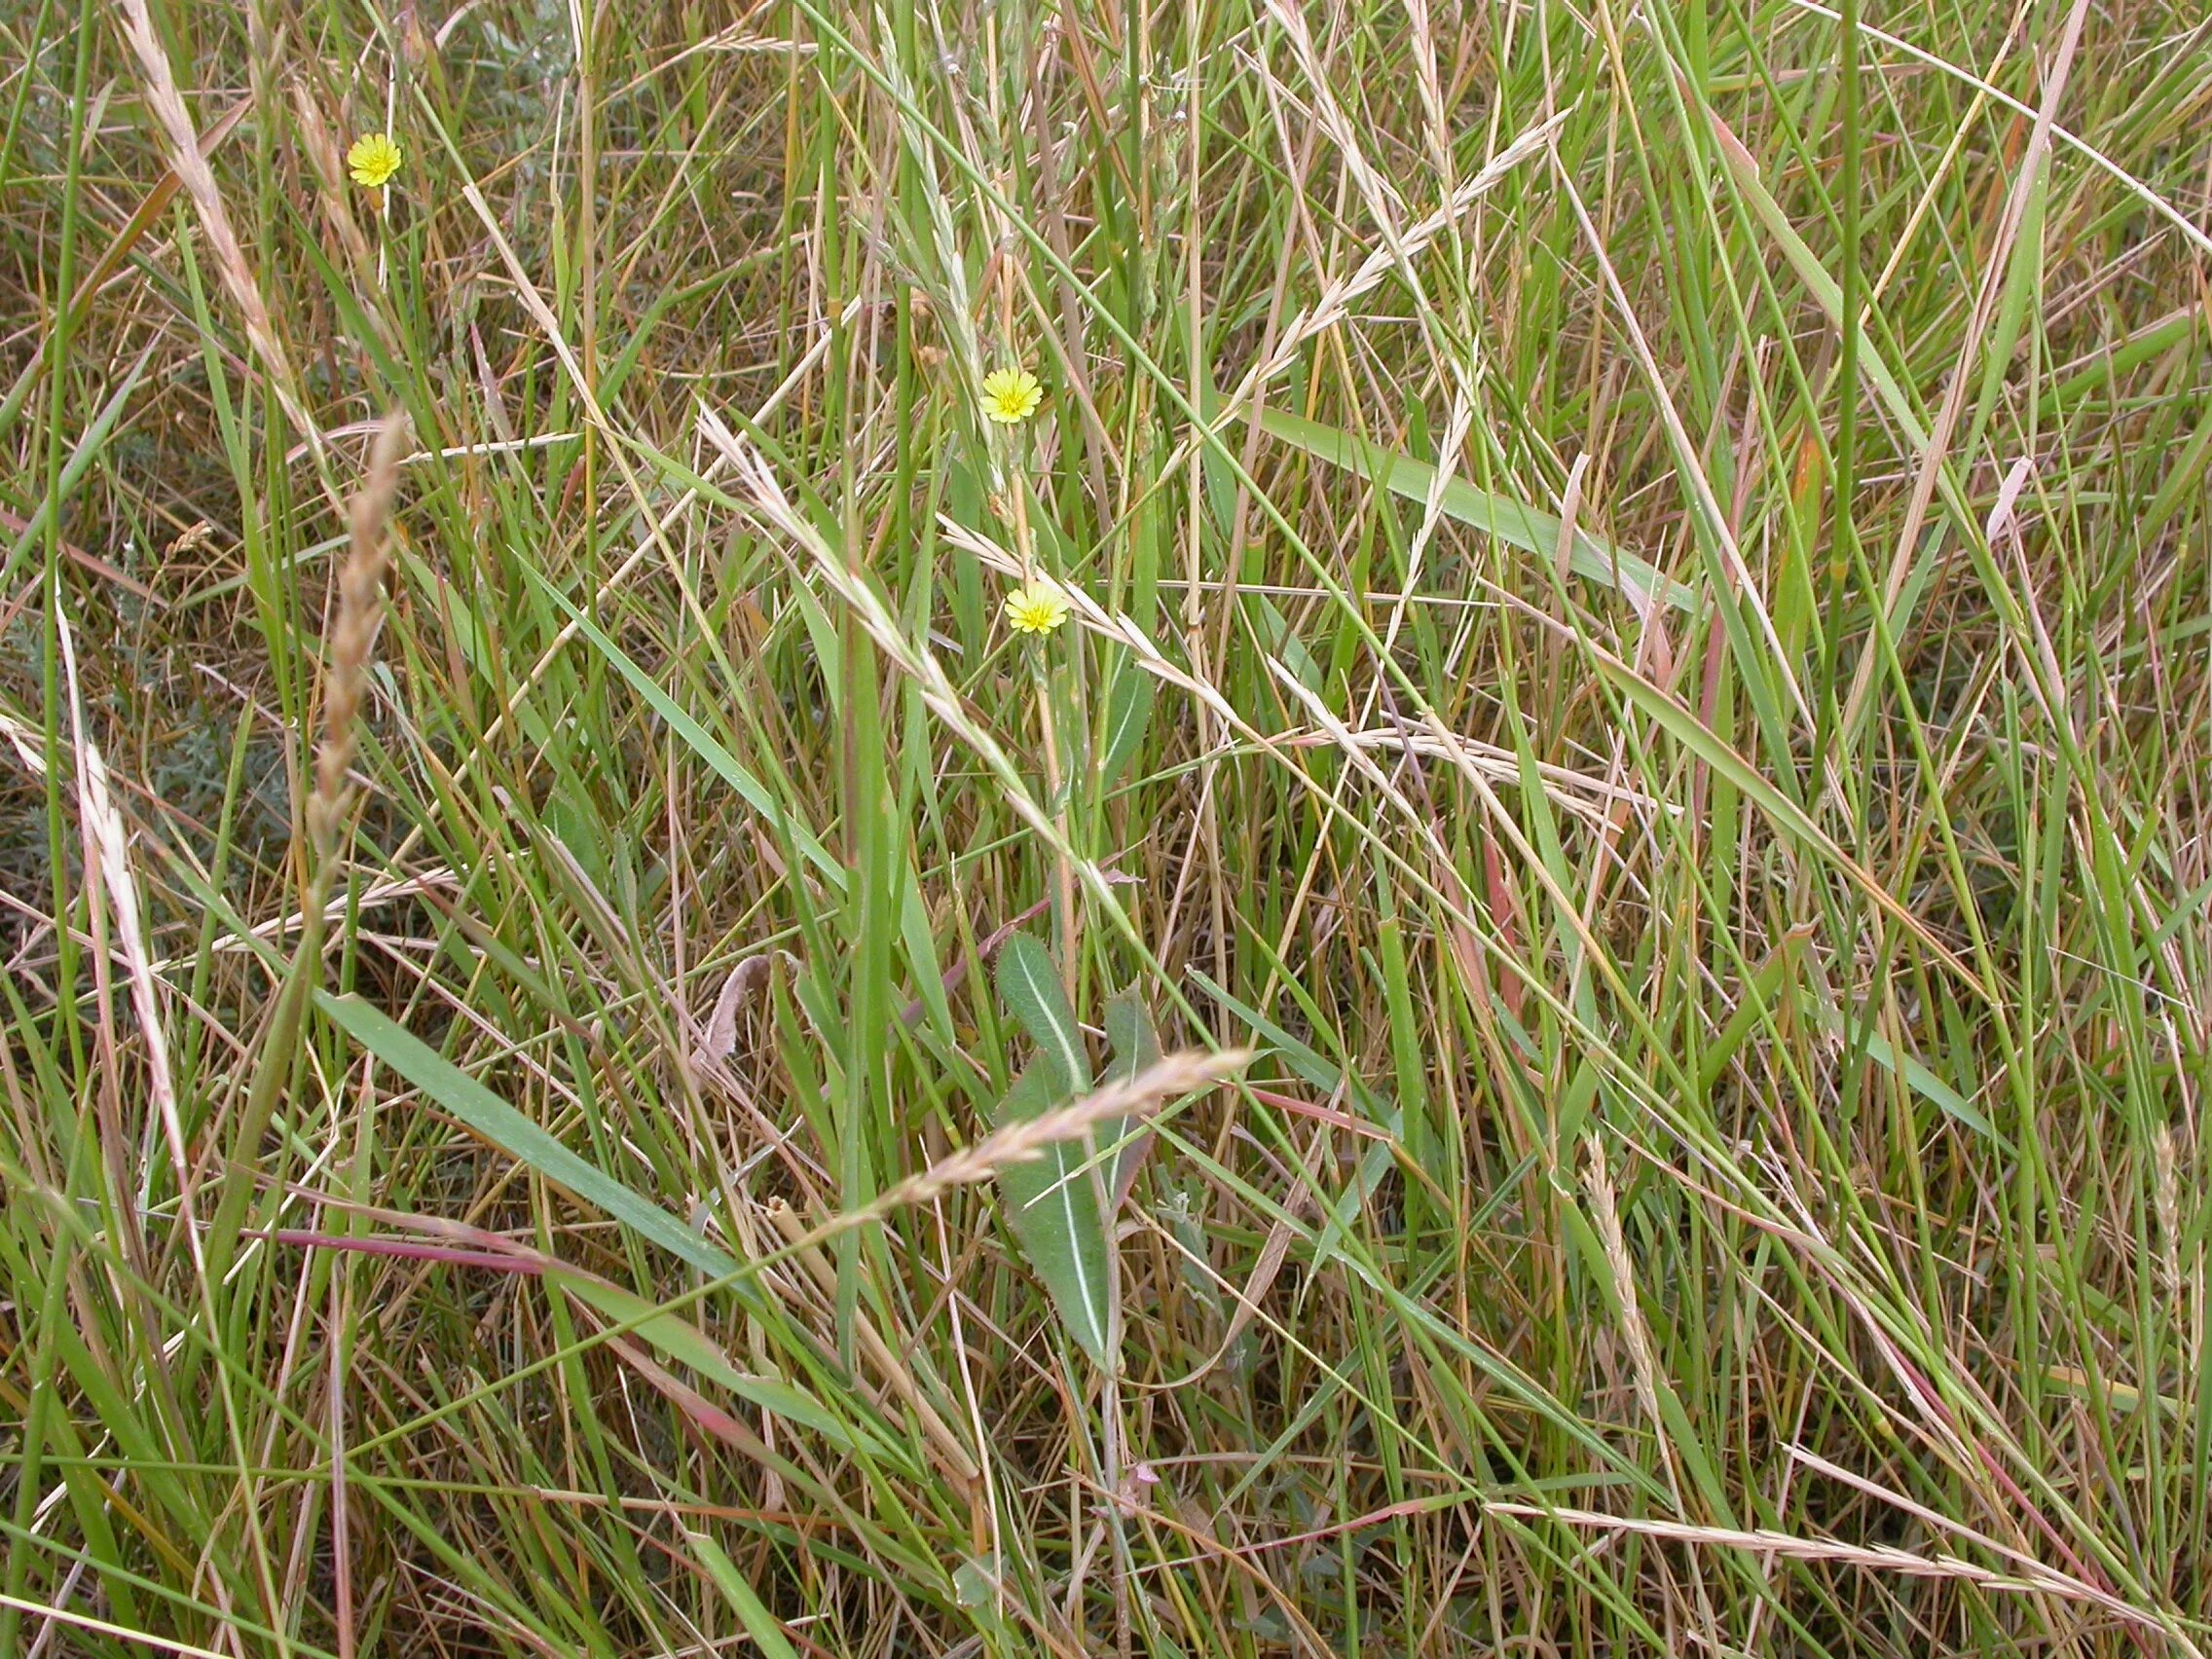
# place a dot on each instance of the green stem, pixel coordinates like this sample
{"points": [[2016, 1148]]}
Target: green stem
{"points": [[42, 1357]]}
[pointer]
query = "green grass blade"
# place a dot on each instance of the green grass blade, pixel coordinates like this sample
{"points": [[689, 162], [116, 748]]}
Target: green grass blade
{"points": [[1514, 522], [480, 1110]]}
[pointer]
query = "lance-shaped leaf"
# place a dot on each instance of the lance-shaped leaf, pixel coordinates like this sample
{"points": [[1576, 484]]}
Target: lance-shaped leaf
{"points": [[1029, 984], [1136, 1046], [1053, 1205], [1053, 1202]]}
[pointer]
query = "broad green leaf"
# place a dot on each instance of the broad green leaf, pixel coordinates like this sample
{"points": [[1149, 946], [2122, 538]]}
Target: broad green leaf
{"points": [[1131, 1033], [1029, 985], [1128, 712], [1516, 523], [506, 1128], [1052, 1206], [1136, 1043], [976, 1583]]}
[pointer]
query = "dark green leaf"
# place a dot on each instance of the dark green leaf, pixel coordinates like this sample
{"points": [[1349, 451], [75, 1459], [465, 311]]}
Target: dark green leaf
{"points": [[1029, 985], [1128, 712], [1052, 1205]]}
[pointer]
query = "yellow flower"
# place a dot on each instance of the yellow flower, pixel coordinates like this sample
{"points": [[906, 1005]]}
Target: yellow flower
{"points": [[373, 158], [1010, 396], [1036, 609]]}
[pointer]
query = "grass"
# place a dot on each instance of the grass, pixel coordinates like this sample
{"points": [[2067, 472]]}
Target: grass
{"points": [[1567, 1015]]}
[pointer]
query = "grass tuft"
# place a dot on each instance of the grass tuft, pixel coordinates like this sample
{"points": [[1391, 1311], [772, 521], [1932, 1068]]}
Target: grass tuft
{"points": [[1602, 741]]}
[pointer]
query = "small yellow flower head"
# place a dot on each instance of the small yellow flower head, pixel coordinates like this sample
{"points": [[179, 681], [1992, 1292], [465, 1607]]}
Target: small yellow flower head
{"points": [[1038, 608], [1010, 396], [373, 158]]}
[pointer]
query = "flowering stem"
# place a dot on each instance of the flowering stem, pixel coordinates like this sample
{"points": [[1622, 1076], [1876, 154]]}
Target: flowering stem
{"points": [[1063, 874]]}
